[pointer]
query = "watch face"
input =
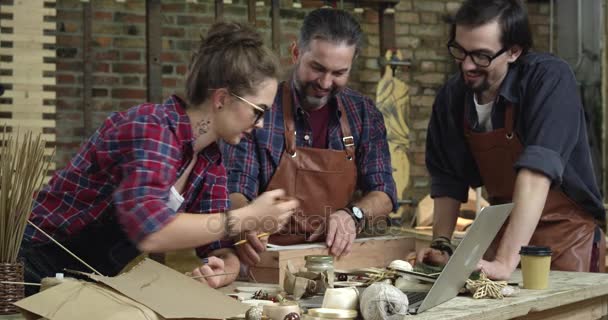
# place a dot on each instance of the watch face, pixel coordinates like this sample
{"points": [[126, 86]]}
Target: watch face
{"points": [[358, 213]]}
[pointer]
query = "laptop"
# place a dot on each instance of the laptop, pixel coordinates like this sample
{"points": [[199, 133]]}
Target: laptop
{"points": [[464, 259]]}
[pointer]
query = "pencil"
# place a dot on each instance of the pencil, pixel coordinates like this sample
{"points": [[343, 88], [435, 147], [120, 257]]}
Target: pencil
{"points": [[261, 235], [213, 275]]}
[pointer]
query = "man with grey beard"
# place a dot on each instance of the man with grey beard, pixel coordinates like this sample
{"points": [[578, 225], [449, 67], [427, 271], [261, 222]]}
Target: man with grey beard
{"points": [[321, 142], [512, 121]]}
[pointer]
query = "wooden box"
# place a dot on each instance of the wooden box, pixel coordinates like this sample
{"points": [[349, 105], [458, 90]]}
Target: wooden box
{"points": [[366, 252]]}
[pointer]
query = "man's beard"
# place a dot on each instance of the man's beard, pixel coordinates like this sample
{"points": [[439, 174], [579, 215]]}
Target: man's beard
{"points": [[312, 102], [478, 86]]}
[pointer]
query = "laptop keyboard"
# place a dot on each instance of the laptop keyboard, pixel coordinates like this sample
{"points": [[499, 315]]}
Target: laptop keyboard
{"points": [[415, 297]]}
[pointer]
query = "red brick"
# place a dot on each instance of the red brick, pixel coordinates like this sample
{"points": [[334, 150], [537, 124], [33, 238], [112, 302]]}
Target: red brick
{"points": [[69, 66], [131, 55], [181, 69], [101, 67], [136, 94], [71, 27], [129, 18], [174, 32], [105, 80], [63, 15], [126, 104], [128, 68], [69, 41], [173, 7], [107, 55], [65, 79], [99, 92], [169, 82], [102, 41], [102, 15], [171, 57], [67, 92]]}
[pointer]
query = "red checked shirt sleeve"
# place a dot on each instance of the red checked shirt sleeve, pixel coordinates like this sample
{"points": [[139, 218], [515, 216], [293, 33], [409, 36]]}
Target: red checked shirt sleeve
{"points": [[148, 155]]}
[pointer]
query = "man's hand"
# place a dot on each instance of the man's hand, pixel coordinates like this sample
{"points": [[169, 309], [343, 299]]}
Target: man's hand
{"points": [[432, 257], [341, 233], [213, 266], [249, 253], [495, 270]]}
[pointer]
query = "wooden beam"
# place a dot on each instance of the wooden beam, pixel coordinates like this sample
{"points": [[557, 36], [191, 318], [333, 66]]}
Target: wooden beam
{"points": [[386, 14], [153, 51], [219, 10], [276, 26], [605, 98], [251, 12], [87, 70], [153, 67]]}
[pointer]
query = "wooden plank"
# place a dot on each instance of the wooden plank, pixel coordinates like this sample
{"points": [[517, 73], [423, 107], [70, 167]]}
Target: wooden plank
{"points": [[26, 110], [29, 79], [592, 309], [605, 98], [153, 51], [276, 26], [13, 93], [87, 72], [43, 52], [153, 67], [37, 28], [369, 252], [31, 8], [219, 10], [32, 110], [30, 123], [387, 27], [251, 7], [22, 38], [25, 68]]}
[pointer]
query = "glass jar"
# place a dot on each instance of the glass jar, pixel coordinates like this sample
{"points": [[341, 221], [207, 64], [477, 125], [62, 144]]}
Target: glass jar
{"points": [[319, 263]]}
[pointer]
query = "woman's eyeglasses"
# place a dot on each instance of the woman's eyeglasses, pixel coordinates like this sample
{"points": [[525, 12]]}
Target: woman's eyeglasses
{"points": [[257, 109]]}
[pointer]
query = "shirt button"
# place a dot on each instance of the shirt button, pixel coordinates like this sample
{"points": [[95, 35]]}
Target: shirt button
{"points": [[306, 137]]}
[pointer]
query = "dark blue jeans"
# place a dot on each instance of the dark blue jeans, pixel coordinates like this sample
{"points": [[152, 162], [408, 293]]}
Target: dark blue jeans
{"points": [[103, 245]]}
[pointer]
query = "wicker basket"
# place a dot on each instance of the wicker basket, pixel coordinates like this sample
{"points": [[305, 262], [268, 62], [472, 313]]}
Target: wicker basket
{"points": [[10, 293]]}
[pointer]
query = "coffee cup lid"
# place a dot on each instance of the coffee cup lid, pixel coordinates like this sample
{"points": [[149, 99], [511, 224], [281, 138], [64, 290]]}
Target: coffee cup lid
{"points": [[535, 251]]}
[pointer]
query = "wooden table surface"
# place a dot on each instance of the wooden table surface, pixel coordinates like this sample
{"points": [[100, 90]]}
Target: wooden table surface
{"points": [[571, 295]]}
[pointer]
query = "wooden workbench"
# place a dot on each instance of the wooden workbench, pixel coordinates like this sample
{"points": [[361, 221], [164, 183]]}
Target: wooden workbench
{"points": [[571, 295]]}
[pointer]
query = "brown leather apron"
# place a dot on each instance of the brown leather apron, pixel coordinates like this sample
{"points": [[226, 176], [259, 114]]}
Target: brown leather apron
{"points": [[564, 226], [324, 180]]}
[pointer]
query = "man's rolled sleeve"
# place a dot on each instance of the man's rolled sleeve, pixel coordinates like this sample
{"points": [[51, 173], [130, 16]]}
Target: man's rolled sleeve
{"points": [[375, 161], [543, 160], [444, 186]]}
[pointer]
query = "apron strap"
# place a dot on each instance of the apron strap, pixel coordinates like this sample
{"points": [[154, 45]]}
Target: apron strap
{"points": [[290, 130]]}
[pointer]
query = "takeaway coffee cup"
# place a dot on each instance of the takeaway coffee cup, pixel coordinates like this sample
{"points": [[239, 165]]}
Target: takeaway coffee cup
{"points": [[535, 265]]}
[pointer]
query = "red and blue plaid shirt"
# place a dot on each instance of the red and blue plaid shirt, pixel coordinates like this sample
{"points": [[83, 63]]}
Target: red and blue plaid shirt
{"points": [[127, 169], [252, 162]]}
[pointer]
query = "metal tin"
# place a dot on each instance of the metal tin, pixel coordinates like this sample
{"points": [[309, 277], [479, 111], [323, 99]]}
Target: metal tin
{"points": [[327, 313]]}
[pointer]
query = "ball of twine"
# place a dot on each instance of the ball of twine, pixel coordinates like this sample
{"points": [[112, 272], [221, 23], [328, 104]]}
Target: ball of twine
{"points": [[383, 301]]}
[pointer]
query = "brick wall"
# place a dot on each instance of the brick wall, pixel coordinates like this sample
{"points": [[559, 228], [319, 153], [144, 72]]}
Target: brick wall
{"points": [[119, 65]]}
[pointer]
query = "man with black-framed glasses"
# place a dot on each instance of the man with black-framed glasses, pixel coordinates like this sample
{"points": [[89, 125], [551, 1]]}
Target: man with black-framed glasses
{"points": [[512, 121]]}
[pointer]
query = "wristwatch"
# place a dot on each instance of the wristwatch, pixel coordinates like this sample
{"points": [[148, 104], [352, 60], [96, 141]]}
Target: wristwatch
{"points": [[357, 214], [442, 244]]}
